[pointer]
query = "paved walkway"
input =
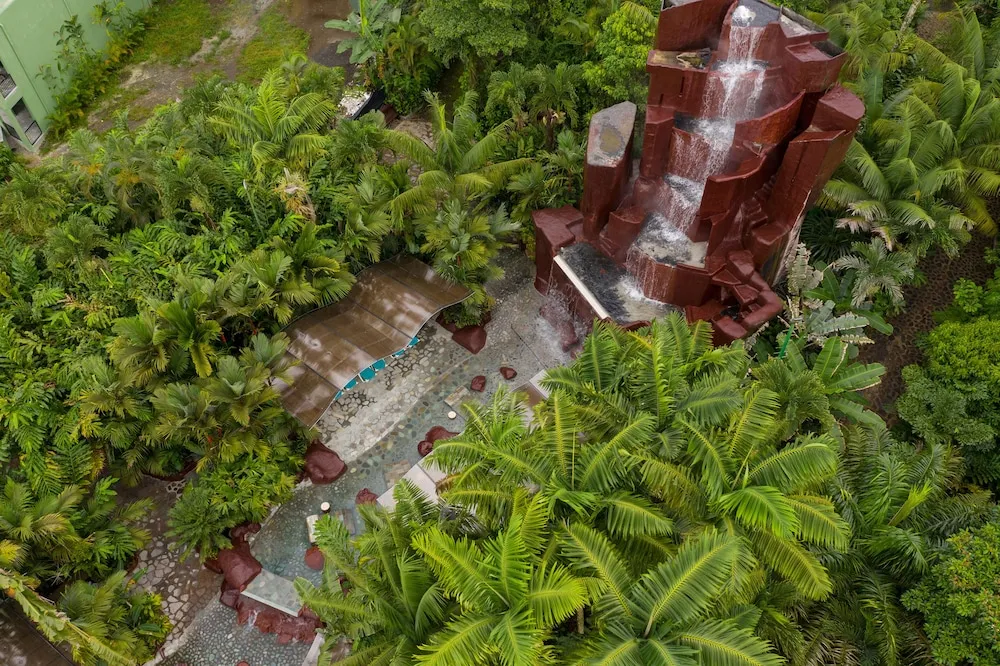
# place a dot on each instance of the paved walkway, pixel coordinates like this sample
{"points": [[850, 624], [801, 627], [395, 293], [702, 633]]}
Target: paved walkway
{"points": [[375, 429]]}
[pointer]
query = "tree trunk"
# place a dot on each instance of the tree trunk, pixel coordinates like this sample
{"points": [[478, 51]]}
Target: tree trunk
{"points": [[907, 20], [579, 620]]}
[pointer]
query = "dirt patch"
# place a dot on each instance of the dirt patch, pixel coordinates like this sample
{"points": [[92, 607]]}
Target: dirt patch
{"points": [[312, 15], [901, 349], [147, 85]]}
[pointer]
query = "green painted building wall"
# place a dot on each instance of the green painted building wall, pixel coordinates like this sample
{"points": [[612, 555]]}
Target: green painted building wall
{"points": [[28, 42]]}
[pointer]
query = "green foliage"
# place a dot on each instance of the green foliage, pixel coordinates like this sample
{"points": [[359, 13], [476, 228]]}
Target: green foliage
{"points": [[960, 599], [901, 506], [178, 28], [82, 74], [622, 48], [276, 41], [464, 29], [952, 397], [369, 25], [128, 620], [406, 67], [227, 495], [7, 160]]}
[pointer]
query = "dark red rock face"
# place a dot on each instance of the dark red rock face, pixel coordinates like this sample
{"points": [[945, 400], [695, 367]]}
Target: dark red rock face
{"points": [[472, 338], [424, 448], [314, 558], [439, 432], [323, 465], [239, 567], [508, 373], [365, 496], [478, 383], [786, 144], [270, 620]]}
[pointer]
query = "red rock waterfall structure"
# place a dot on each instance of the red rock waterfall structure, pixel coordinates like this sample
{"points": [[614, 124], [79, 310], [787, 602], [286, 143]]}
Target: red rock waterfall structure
{"points": [[745, 123]]}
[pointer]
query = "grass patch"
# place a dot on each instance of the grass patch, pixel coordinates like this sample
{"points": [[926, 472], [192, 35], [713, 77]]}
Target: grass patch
{"points": [[276, 39], [177, 28]]}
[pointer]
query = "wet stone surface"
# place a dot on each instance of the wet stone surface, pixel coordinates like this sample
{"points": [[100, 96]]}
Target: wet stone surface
{"points": [[218, 640], [376, 429]]}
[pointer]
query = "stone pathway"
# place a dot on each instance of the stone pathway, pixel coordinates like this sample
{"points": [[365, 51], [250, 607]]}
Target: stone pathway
{"points": [[186, 587], [376, 429]]}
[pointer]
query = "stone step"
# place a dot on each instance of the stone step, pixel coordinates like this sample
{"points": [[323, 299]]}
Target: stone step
{"points": [[274, 591]]}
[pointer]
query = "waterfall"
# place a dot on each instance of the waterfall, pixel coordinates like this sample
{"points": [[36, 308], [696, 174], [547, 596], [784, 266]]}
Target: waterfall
{"points": [[739, 81]]}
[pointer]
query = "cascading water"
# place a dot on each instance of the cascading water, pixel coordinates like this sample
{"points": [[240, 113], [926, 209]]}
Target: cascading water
{"points": [[733, 97]]}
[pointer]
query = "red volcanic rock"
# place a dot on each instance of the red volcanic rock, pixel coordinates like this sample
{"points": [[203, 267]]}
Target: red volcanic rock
{"points": [[472, 338], [285, 639], [323, 465], [230, 595], [478, 383], [508, 373], [239, 567], [314, 559], [307, 613], [424, 448], [212, 564], [365, 496], [243, 663], [240, 533], [439, 432]]}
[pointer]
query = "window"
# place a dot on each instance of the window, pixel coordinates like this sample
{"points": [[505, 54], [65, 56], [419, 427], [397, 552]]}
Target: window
{"points": [[27, 122], [7, 85]]}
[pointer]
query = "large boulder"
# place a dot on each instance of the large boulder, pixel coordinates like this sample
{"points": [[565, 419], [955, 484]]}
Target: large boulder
{"points": [[239, 567], [314, 558], [323, 465], [365, 496], [439, 432], [472, 338]]}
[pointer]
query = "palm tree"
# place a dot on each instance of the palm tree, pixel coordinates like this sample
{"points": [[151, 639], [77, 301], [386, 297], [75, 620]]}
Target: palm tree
{"points": [[970, 113], [510, 90], [510, 594], [583, 481], [126, 620], [721, 458], [460, 164], [867, 36], [898, 190], [32, 199], [54, 624], [391, 602], [898, 503], [366, 218], [877, 271], [462, 245], [668, 613], [39, 530], [556, 98], [272, 128]]}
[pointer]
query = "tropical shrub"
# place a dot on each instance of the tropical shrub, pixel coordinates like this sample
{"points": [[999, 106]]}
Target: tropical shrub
{"points": [[228, 495], [83, 74], [128, 620], [960, 597], [7, 160], [622, 48]]}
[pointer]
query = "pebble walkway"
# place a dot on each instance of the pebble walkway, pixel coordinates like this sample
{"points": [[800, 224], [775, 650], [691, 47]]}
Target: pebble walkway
{"points": [[375, 429]]}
